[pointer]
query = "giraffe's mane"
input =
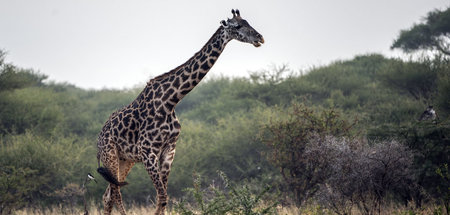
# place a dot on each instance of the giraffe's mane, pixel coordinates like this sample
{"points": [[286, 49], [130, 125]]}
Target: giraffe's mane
{"points": [[167, 74]]}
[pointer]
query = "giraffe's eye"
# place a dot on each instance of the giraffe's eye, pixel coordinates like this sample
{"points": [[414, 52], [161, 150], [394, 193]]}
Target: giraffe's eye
{"points": [[238, 26]]}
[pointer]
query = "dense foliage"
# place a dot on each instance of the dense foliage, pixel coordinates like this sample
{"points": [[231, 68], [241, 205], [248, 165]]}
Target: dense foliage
{"points": [[224, 198], [433, 34], [244, 127]]}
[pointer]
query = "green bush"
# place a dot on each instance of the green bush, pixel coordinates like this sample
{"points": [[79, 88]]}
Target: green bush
{"points": [[226, 198], [33, 168], [414, 78]]}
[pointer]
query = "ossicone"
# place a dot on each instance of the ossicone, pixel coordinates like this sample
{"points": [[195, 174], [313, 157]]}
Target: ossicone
{"points": [[235, 13]]}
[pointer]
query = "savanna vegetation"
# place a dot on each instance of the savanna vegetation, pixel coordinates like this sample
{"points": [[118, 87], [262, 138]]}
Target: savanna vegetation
{"points": [[337, 139]]}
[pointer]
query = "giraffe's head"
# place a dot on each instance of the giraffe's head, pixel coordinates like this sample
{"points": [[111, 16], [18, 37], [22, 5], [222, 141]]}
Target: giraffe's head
{"points": [[239, 29]]}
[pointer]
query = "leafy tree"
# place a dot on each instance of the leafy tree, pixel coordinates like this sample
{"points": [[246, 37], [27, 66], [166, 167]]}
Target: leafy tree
{"points": [[12, 77], [443, 87], [33, 168], [434, 34], [229, 146], [203, 94], [15, 185], [415, 78], [444, 188], [431, 143], [29, 108]]}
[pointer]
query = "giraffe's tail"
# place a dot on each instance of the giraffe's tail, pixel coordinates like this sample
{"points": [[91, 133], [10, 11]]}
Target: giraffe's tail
{"points": [[98, 159], [110, 177]]}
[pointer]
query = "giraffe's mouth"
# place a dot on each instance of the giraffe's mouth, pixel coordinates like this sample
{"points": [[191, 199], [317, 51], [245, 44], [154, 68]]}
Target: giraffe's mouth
{"points": [[258, 43]]}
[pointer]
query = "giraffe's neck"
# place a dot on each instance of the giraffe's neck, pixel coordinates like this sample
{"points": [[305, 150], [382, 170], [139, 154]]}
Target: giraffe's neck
{"points": [[172, 86]]}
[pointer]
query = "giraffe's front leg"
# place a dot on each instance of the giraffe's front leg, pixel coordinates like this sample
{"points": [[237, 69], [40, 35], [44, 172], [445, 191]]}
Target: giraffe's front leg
{"points": [[164, 170], [152, 165], [166, 165]]}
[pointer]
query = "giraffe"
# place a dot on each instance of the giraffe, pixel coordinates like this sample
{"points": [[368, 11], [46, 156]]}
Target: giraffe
{"points": [[147, 129]]}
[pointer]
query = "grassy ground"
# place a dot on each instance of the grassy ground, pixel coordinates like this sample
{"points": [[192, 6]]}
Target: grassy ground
{"points": [[309, 210], [133, 210], [93, 210]]}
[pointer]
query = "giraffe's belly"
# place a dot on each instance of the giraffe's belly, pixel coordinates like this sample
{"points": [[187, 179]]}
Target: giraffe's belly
{"points": [[165, 137], [155, 138], [129, 151]]}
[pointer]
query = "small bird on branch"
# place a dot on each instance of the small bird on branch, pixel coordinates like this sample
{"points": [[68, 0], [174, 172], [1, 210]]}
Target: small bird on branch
{"points": [[429, 114], [91, 177]]}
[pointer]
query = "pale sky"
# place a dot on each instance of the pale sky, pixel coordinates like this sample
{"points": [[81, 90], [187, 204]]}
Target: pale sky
{"points": [[120, 44]]}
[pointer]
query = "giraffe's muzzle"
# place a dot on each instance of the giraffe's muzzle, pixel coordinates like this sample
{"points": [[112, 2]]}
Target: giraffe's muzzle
{"points": [[258, 42]]}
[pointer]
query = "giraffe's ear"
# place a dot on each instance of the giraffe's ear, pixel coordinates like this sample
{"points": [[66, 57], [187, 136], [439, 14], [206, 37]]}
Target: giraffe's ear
{"points": [[224, 24]]}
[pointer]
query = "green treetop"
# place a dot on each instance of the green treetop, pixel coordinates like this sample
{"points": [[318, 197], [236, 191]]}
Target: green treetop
{"points": [[433, 34]]}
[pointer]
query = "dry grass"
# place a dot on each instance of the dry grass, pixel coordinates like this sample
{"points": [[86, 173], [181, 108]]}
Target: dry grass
{"points": [[308, 210], [93, 210], [133, 210]]}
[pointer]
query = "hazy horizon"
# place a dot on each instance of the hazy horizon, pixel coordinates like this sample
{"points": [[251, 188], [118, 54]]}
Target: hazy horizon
{"points": [[114, 44]]}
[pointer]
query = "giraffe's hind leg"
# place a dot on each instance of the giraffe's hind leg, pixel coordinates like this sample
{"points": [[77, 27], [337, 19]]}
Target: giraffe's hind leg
{"points": [[108, 203], [124, 168], [112, 194]]}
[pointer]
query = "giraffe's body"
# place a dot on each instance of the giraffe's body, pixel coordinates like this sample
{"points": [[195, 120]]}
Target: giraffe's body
{"points": [[147, 129]]}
